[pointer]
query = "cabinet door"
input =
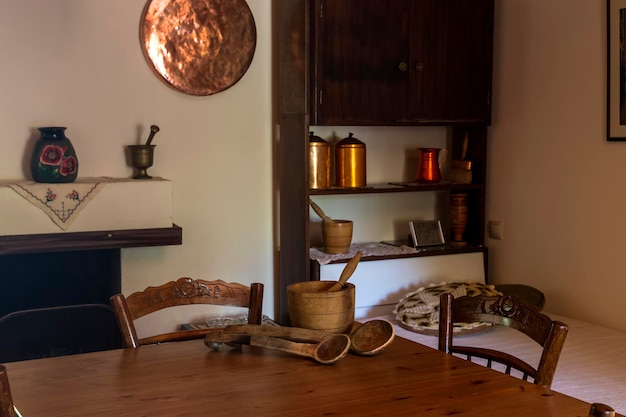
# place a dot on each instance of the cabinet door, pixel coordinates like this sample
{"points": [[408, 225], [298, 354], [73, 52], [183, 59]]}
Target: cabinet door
{"points": [[359, 61], [451, 61]]}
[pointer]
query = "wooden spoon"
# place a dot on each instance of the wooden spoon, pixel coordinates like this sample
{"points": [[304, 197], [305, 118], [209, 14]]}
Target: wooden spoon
{"points": [[326, 352], [320, 212], [329, 349], [347, 272], [370, 338]]}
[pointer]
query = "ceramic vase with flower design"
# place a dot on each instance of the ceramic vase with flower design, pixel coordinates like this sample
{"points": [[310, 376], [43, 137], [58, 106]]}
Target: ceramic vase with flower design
{"points": [[54, 158]]}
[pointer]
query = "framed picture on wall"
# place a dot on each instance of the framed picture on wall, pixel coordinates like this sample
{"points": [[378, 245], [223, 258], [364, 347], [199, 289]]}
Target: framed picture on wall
{"points": [[426, 233], [616, 70]]}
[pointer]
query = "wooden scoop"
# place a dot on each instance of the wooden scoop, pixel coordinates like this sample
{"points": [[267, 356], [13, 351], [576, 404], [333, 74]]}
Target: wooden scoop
{"points": [[347, 272], [370, 338], [328, 350], [320, 212]]}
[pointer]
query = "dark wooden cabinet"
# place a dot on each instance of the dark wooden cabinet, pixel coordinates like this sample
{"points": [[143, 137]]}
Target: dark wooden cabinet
{"points": [[377, 63], [401, 62]]}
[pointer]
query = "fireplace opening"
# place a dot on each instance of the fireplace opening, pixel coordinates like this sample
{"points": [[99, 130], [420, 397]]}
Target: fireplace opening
{"points": [[36, 291]]}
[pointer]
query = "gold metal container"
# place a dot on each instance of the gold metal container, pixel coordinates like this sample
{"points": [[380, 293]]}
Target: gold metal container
{"points": [[350, 163], [319, 162]]}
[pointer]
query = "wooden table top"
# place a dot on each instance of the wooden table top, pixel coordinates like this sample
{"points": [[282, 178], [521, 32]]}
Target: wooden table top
{"points": [[189, 379]]}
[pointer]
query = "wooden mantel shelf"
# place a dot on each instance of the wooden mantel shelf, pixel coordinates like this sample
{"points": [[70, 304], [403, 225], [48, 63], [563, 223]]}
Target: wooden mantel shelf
{"points": [[107, 239]]}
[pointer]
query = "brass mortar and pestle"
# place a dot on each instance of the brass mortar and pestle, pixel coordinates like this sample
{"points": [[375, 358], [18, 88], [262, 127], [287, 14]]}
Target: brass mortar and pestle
{"points": [[336, 234], [142, 156]]}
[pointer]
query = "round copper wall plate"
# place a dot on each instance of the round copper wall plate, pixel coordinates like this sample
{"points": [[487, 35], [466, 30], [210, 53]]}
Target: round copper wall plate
{"points": [[198, 47]]}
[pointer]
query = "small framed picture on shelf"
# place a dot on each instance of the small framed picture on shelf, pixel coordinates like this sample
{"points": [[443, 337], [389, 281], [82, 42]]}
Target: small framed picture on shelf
{"points": [[426, 233]]}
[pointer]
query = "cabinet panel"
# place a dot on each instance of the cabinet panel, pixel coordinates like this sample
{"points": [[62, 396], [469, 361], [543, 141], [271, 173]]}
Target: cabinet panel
{"points": [[359, 47], [451, 60], [401, 62]]}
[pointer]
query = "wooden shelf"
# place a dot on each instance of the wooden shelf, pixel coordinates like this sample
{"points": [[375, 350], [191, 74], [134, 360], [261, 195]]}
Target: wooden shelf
{"points": [[395, 187], [107, 239], [426, 251]]}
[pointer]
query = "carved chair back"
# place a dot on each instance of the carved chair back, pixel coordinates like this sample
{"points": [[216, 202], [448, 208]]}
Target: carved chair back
{"points": [[183, 291], [6, 400], [504, 311]]}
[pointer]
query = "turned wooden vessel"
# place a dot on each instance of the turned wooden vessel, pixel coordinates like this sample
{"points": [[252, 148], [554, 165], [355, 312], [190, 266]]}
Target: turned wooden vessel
{"points": [[311, 306]]}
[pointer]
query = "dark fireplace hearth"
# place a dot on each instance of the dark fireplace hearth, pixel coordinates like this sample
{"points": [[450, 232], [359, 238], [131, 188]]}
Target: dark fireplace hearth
{"points": [[54, 279], [60, 272]]}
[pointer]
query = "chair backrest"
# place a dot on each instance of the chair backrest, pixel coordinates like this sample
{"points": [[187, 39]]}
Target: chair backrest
{"points": [[505, 311], [601, 410], [6, 400], [183, 291], [55, 331]]}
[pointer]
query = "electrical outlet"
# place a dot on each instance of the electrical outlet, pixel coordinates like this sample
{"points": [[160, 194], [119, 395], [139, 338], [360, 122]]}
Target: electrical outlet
{"points": [[495, 229]]}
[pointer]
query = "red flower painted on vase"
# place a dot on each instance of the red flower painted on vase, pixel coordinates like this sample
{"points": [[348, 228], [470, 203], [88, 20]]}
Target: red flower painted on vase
{"points": [[52, 155], [68, 166]]}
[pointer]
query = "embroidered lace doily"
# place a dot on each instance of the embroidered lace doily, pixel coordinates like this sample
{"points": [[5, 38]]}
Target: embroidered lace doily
{"points": [[367, 249], [61, 202], [418, 311]]}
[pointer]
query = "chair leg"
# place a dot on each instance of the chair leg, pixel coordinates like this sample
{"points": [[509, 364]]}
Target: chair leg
{"points": [[6, 400], [255, 313]]}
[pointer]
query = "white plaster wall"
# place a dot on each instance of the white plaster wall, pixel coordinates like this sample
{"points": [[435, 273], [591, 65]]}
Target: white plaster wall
{"points": [[554, 181], [78, 63]]}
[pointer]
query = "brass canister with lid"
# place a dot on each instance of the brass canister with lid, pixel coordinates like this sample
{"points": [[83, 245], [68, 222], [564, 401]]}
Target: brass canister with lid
{"points": [[350, 163], [319, 162]]}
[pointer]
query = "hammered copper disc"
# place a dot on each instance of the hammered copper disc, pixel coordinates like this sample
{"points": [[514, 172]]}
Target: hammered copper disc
{"points": [[199, 47]]}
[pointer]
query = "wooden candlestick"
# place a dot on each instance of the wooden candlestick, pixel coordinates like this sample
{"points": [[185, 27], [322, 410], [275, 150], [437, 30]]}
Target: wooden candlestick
{"points": [[458, 218]]}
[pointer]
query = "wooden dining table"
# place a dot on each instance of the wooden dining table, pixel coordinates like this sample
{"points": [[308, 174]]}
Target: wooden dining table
{"points": [[189, 379]]}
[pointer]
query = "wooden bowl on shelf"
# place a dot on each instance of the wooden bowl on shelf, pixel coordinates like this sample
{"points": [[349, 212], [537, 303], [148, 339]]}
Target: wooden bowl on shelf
{"points": [[337, 236]]}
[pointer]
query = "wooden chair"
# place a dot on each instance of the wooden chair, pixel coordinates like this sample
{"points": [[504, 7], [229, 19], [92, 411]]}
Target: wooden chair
{"points": [[56, 331], [601, 410], [6, 400], [183, 291], [505, 311]]}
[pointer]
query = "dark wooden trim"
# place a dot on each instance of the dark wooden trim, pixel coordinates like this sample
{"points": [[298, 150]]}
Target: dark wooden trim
{"points": [[293, 149], [107, 239]]}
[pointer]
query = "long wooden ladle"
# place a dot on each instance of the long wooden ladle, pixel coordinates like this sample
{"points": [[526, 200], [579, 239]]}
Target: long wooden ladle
{"points": [[347, 272], [320, 212], [370, 338], [327, 351]]}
